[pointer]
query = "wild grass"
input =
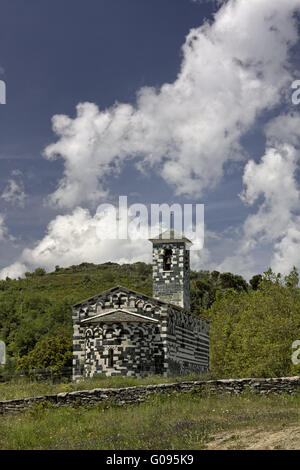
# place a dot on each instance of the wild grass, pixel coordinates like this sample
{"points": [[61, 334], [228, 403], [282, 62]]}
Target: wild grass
{"points": [[22, 387], [177, 421]]}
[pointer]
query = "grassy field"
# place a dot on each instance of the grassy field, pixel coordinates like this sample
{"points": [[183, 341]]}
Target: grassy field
{"points": [[23, 388], [179, 422]]}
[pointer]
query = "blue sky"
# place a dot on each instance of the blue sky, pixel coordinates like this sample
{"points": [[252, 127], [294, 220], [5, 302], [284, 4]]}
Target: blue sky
{"points": [[188, 119]]}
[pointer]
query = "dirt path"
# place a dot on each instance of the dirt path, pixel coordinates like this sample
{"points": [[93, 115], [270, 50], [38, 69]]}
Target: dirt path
{"points": [[257, 439]]}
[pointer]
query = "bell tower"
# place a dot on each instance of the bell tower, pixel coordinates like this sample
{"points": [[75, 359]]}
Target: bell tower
{"points": [[171, 268]]}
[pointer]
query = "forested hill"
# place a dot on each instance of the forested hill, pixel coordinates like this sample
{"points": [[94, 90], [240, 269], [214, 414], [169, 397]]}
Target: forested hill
{"points": [[35, 312], [253, 326], [37, 308]]}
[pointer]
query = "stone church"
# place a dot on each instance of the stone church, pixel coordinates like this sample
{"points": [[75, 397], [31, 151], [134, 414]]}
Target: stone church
{"points": [[123, 332]]}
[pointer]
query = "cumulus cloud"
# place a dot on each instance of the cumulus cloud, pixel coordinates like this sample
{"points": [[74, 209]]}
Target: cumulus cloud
{"points": [[82, 237], [14, 193], [14, 271], [232, 70], [272, 183], [79, 237]]}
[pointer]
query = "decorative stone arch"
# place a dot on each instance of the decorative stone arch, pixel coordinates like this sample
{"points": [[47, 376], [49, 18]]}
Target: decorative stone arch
{"points": [[109, 331], [98, 331], [148, 307], [89, 333], [140, 304]]}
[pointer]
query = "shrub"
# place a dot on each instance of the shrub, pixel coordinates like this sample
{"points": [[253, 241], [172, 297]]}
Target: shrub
{"points": [[52, 352]]}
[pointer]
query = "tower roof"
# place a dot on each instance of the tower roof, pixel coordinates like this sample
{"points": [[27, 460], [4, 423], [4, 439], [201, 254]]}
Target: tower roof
{"points": [[170, 236]]}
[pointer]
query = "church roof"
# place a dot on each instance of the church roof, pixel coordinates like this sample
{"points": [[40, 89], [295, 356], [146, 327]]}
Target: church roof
{"points": [[170, 236], [141, 295]]}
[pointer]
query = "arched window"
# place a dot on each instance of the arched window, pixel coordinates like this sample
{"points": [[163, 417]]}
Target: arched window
{"points": [[167, 259], [110, 357]]}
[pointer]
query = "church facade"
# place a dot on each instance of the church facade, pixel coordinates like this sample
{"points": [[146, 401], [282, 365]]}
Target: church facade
{"points": [[123, 332]]}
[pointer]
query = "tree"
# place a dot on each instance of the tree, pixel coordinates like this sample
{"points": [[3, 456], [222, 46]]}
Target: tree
{"points": [[251, 334], [206, 285], [255, 281], [232, 281], [292, 279], [52, 352], [39, 272]]}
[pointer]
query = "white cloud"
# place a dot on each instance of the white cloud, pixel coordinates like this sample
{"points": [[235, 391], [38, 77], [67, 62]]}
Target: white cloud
{"points": [[273, 183], [201, 259], [82, 237], [14, 191], [13, 271], [73, 239], [232, 70]]}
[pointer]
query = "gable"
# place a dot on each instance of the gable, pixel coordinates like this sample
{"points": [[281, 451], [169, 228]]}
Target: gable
{"points": [[118, 291], [117, 316]]}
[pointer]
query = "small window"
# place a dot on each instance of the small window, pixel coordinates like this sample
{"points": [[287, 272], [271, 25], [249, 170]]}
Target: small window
{"points": [[167, 259], [111, 358]]}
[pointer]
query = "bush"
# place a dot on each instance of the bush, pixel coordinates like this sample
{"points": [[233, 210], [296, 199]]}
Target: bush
{"points": [[252, 333], [39, 272], [53, 352]]}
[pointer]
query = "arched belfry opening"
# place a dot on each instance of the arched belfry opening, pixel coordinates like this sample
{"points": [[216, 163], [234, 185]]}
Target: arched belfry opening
{"points": [[167, 260]]}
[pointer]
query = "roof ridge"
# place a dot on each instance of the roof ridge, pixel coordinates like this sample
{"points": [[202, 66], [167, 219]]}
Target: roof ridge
{"points": [[134, 292]]}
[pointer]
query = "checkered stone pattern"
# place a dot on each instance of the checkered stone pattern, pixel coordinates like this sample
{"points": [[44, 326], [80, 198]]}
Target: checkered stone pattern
{"points": [[137, 346], [187, 341], [135, 350], [123, 332], [156, 338], [172, 286]]}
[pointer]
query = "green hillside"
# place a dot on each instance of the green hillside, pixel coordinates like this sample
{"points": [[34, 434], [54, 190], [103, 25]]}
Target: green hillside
{"points": [[35, 312], [38, 307], [252, 326]]}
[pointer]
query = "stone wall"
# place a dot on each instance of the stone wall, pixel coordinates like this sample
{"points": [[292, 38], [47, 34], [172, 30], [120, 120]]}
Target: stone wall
{"points": [[171, 342], [187, 344], [138, 349], [132, 395]]}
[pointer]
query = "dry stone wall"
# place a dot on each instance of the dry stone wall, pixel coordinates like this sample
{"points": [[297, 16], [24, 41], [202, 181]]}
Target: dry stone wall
{"points": [[133, 395]]}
